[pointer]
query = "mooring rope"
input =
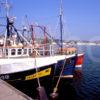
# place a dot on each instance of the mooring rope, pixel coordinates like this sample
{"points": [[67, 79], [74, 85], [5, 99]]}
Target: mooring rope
{"points": [[56, 87], [41, 91], [37, 72]]}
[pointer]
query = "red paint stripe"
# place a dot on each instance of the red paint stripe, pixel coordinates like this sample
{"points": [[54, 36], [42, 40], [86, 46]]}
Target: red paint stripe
{"points": [[79, 60]]}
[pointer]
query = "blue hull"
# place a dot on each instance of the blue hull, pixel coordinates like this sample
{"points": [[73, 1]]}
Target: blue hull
{"points": [[68, 68]]}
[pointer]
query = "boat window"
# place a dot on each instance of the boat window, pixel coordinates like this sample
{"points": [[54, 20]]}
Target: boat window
{"points": [[6, 51], [29, 51], [19, 51], [13, 51], [1, 52], [25, 51]]}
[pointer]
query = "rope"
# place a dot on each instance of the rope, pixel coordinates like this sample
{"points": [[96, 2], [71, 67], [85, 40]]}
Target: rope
{"points": [[37, 72], [55, 89], [42, 93], [5, 39], [36, 69]]}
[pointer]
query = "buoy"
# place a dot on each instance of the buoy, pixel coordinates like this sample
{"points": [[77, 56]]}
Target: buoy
{"points": [[41, 93], [54, 95]]}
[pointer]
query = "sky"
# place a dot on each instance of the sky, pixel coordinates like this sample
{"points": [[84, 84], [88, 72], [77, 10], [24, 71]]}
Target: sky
{"points": [[81, 18]]}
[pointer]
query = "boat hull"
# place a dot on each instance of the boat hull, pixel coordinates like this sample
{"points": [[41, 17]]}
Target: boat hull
{"points": [[29, 74], [27, 80], [53, 69], [68, 70]]}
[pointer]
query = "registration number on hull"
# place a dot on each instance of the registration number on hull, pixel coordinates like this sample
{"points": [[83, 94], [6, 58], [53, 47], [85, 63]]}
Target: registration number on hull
{"points": [[4, 77]]}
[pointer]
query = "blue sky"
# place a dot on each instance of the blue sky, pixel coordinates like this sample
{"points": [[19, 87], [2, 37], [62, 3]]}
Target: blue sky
{"points": [[81, 17]]}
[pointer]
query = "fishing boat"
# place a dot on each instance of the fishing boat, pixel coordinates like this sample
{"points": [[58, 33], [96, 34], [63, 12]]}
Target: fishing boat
{"points": [[24, 61]]}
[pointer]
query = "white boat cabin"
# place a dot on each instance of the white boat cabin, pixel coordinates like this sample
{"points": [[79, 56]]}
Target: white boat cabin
{"points": [[15, 51], [30, 51]]}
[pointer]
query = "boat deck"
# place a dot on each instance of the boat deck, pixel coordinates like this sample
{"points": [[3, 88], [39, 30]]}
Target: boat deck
{"points": [[7, 92]]}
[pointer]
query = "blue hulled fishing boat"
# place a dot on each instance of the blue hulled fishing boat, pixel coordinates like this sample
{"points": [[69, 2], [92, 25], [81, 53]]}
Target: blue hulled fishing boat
{"points": [[23, 61]]}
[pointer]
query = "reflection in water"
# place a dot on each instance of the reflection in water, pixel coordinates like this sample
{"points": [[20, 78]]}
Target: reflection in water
{"points": [[88, 85], [66, 90]]}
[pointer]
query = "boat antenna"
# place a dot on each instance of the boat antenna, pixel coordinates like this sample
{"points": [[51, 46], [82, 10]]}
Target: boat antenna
{"points": [[7, 7], [61, 26]]}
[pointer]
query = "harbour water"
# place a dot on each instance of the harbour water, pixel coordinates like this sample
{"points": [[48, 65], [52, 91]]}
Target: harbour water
{"points": [[84, 86], [87, 86]]}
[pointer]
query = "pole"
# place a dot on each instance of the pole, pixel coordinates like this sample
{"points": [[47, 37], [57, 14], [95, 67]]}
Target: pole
{"points": [[33, 34], [61, 27], [45, 40]]}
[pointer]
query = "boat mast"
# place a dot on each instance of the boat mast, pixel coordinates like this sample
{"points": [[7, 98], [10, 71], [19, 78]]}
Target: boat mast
{"points": [[61, 26], [7, 33], [7, 7]]}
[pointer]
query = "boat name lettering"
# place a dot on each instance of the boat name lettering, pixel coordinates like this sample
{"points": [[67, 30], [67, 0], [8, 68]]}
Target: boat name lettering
{"points": [[42, 73]]}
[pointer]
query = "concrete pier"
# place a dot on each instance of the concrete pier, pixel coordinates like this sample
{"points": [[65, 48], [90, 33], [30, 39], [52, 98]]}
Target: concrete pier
{"points": [[8, 92]]}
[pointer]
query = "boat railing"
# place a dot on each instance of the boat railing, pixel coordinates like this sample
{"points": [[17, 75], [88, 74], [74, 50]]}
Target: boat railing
{"points": [[28, 51], [54, 49], [46, 50], [33, 51]]}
